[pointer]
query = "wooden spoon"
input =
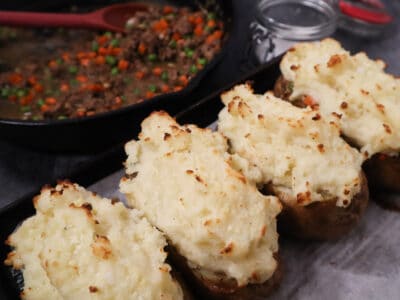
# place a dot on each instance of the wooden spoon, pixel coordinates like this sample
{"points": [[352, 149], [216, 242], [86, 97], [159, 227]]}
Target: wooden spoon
{"points": [[111, 18]]}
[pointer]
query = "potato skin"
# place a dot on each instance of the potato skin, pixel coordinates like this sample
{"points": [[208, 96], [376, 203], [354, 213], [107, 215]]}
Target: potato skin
{"points": [[383, 173], [206, 289], [323, 220]]}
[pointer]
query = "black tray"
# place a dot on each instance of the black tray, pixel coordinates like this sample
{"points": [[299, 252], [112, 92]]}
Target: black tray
{"points": [[202, 113], [103, 130]]}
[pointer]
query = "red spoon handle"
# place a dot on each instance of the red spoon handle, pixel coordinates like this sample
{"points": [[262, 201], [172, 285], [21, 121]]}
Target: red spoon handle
{"points": [[47, 19]]}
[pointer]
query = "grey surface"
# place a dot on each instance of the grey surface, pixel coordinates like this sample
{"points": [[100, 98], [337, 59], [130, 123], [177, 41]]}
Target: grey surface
{"points": [[363, 265]]}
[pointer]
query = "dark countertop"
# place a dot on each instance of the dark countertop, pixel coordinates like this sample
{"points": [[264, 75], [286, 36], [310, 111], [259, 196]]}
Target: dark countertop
{"points": [[23, 171]]}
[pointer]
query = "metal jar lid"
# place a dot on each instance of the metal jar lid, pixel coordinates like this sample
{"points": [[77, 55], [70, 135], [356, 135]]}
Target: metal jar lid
{"points": [[281, 23], [298, 19]]}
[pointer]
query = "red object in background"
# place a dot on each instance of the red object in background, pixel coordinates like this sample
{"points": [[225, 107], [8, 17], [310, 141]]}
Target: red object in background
{"points": [[372, 11]]}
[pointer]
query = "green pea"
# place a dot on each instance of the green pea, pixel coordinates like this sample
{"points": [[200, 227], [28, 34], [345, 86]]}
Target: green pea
{"points": [[61, 117], [59, 61], [152, 57], [108, 34], [25, 109], [164, 76], [73, 82], [193, 69], [21, 93], [95, 46], [127, 80], [189, 52], [211, 16], [73, 69], [40, 102], [111, 60], [5, 92], [152, 88], [114, 71], [202, 61], [172, 44], [114, 43], [123, 98], [137, 91]]}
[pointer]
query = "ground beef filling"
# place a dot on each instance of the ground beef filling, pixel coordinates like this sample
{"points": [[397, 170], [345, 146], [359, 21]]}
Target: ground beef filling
{"points": [[90, 73]]}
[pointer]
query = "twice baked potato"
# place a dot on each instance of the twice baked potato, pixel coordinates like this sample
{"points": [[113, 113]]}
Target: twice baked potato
{"points": [[303, 160], [221, 228], [81, 246], [357, 94]]}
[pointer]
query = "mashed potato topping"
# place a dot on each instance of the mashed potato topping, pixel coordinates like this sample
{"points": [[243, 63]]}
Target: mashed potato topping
{"points": [[300, 154], [352, 89], [80, 246], [190, 188]]}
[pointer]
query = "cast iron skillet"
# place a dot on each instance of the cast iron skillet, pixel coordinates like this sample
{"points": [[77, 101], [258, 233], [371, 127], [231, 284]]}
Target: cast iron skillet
{"points": [[202, 113], [100, 131]]}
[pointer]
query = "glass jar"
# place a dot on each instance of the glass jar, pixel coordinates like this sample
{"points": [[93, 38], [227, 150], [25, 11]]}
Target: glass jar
{"points": [[281, 23]]}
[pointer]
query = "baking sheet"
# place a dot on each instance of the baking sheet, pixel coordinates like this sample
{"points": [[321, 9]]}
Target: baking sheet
{"points": [[363, 265]]}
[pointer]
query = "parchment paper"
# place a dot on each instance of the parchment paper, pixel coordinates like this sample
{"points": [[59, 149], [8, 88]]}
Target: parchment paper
{"points": [[363, 265]]}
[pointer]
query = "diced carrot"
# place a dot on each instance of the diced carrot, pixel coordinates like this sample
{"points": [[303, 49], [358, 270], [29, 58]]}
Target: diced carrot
{"points": [[183, 80], [26, 99], [157, 71], [91, 54], [85, 62], [65, 56], [142, 48], [53, 64], [167, 9], [308, 100], [15, 78], [102, 39], [160, 25], [117, 100], [32, 80], [95, 87], [178, 88], [44, 108], [64, 87], [82, 78], [103, 51], [115, 51], [176, 36], [192, 19], [198, 20], [198, 31], [149, 94], [81, 55], [139, 75], [80, 112], [50, 100], [123, 64], [99, 60], [218, 34], [165, 88], [38, 88], [211, 23]]}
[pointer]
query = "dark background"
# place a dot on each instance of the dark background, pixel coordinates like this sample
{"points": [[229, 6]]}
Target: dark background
{"points": [[23, 171]]}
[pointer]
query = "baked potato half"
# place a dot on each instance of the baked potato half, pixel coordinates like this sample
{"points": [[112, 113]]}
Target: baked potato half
{"points": [[382, 171], [355, 92], [302, 159], [220, 228]]}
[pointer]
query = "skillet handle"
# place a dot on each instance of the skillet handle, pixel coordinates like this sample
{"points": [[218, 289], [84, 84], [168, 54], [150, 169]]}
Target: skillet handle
{"points": [[33, 19]]}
